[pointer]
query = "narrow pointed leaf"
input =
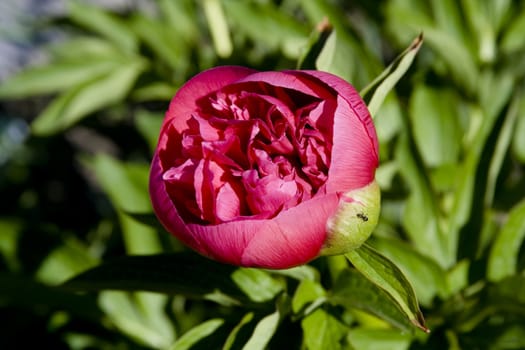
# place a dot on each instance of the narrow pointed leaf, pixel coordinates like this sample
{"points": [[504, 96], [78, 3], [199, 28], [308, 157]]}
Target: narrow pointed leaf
{"points": [[85, 99], [196, 334], [505, 251], [103, 22], [181, 273], [232, 337], [55, 77], [382, 272], [374, 94], [263, 332], [353, 290]]}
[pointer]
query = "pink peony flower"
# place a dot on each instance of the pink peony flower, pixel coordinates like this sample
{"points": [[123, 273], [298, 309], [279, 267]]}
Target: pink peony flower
{"points": [[266, 169]]}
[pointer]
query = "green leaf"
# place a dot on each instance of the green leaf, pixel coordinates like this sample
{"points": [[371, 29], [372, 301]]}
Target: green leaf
{"points": [[84, 47], [9, 242], [518, 141], [449, 18], [55, 77], [257, 284], [65, 261], [265, 23], [77, 103], [180, 15], [323, 331], [148, 124], [333, 58], [22, 291], [505, 251], [159, 38], [427, 277], [513, 37], [375, 93], [388, 277], [306, 293], [218, 26], [126, 184], [502, 146], [125, 312], [314, 46], [232, 337], [300, 273], [420, 215], [378, 339], [156, 91], [181, 273], [127, 187], [353, 290], [263, 332], [196, 334], [104, 23], [507, 296], [347, 55], [455, 54], [436, 128]]}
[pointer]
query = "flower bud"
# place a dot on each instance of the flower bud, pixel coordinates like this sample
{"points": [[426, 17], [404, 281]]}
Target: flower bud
{"points": [[354, 221]]}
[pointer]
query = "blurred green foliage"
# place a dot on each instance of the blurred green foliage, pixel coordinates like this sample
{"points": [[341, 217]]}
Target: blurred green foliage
{"points": [[77, 134]]}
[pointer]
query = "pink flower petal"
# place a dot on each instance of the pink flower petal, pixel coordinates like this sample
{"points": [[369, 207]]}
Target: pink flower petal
{"points": [[165, 209], [292, 238], [276, 243], [184, 104]]}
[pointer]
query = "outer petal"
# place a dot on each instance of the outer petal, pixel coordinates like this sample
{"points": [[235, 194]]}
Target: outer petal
{"points": [[164, 207], [294, 237], [355, 147]]}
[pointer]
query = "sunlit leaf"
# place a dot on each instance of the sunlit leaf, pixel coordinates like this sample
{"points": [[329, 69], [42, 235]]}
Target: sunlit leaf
{"points": [[436, 127], [126, 184], [314, 46], [104, 23], [65, 261], [263, 332], [427, 277], [323, 331], [502, 145], [127, 187], [420, 214], [383, 273], [148, 124], [306, 293], [257, 284], [79, 102], [265, 23], [232, 337], [375, 93], [196, 334], [504, 253], [333, 58], [56, 77], [157, 91], [379, 339], [137, 322], [218, 26], [162, 41], [353, 290], [300, 273], [512, 38]]}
